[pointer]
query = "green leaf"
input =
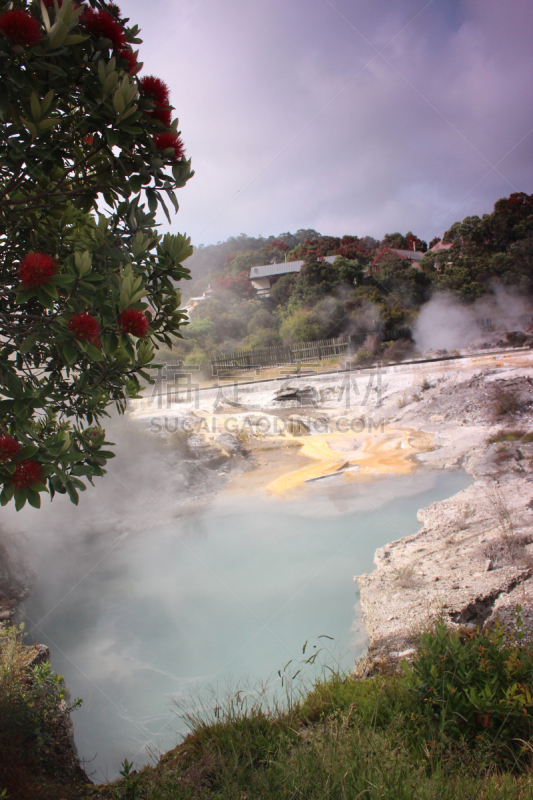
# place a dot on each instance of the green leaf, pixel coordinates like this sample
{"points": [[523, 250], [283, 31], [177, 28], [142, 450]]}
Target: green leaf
{"points": [[34, 498], [110, 342], [93, 352], [70, 353], [50, 290], [113, 137], [23, 295], [13, 384], [44, 298], [7, 493], [72, 493], [134, 129], [152, 199], [29, 451], [75, 38], [35, 107], [21, 495], [39, 487], [135, 183], [65, 281], [27, 343]]}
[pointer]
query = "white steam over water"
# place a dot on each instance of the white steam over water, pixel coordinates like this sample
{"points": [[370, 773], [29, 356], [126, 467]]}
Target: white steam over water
{"points": [[140, 605]]}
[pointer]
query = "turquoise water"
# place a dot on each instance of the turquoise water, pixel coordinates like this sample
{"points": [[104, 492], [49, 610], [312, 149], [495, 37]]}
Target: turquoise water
{"points": [[231, 592]]}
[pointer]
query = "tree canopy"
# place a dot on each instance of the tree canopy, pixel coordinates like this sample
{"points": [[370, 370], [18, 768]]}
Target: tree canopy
{"points": [[88, 151]]}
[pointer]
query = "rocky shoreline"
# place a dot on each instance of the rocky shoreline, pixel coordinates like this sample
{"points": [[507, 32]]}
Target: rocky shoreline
{"points": [[472, 561]]}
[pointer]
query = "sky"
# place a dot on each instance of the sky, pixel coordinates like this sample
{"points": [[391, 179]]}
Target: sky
{"points": [[347, 116]]}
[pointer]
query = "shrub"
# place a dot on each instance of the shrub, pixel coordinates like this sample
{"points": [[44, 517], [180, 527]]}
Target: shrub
{"points": [[301, 326], [505, 436], [34, 732], [476, 687], [398, 350], [263, 338], [506, 402], [199, 358], [363, 356]]}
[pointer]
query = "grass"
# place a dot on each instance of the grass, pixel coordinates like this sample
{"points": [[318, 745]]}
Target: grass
{"points": [[506, 402], [395, 735], [504, 435]]}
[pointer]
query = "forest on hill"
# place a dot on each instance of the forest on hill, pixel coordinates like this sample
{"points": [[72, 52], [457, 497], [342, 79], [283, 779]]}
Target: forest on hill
{"points": [[326, 300]]}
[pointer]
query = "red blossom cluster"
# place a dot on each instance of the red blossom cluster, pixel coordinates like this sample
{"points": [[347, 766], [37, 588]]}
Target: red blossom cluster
{"points": [[36, 269], [134, 322], [84, 326], [102, 25], [9, 448], [130, 56], [170, 139], [20, 27], [27, 473], [158, 92]]}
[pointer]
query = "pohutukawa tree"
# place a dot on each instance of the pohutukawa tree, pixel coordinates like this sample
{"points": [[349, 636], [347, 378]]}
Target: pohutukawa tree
{"points": [[88, 151]]}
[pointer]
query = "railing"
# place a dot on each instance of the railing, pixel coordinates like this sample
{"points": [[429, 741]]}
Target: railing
{"points": [[302, 352], [502, 323]]}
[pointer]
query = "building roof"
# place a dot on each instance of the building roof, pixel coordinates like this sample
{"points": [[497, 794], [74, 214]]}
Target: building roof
{"points": [[410, 255], [281, 269], [440, 246]]}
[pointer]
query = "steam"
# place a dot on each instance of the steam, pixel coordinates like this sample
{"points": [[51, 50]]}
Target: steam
{"points": [[446, 324]]}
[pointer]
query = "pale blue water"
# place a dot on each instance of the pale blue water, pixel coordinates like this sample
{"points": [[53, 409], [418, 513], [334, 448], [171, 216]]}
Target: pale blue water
{"points": [[207, 600]]}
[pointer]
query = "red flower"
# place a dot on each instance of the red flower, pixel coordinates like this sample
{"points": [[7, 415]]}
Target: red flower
{"points": [[84, 326], [36, 269], [164, 115], [20, 27], [88, 139], [134, 322], [26, 473], [102, 25], [156, 90], [165, 140], [9, 448], [130, 56]]}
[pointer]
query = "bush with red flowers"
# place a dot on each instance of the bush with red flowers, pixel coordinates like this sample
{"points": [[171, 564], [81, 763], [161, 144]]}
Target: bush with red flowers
{"points": [[82, 258], [157, 91], [36, 269], [131, 57], [102, 25], [165, 141], [20, 27], [134, 322], [9, 448], [27, 473], [84, 326]]}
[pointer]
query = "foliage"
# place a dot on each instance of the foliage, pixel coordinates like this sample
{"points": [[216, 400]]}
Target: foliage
{"points": [[80, 133], [386, 736], [302, 326], [477, 687], [32, 708]]}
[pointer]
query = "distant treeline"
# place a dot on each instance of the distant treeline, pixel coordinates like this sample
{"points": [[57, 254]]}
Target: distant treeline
{"points": [[325, 301]]}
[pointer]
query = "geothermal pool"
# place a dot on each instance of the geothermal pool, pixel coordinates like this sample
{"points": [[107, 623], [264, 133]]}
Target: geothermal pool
{"points": [[228, 593]]}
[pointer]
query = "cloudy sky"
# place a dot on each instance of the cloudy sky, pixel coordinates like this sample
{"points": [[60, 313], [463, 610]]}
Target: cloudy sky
{"points": [[347, 116]]}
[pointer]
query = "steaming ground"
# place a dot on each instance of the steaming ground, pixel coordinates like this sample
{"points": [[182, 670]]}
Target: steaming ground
{"points": [[417, 418], [340, 444]]}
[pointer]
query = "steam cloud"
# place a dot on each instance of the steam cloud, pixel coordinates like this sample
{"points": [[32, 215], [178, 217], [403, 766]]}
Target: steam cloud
{"points": [[446, 324]]}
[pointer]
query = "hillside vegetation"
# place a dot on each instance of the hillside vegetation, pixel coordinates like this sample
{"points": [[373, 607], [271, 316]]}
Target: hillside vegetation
{"points": [[328, 300]]}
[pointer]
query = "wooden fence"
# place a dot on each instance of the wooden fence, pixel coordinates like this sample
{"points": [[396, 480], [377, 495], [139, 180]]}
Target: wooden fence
{"points": [[502, 323], [302, 352]]}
